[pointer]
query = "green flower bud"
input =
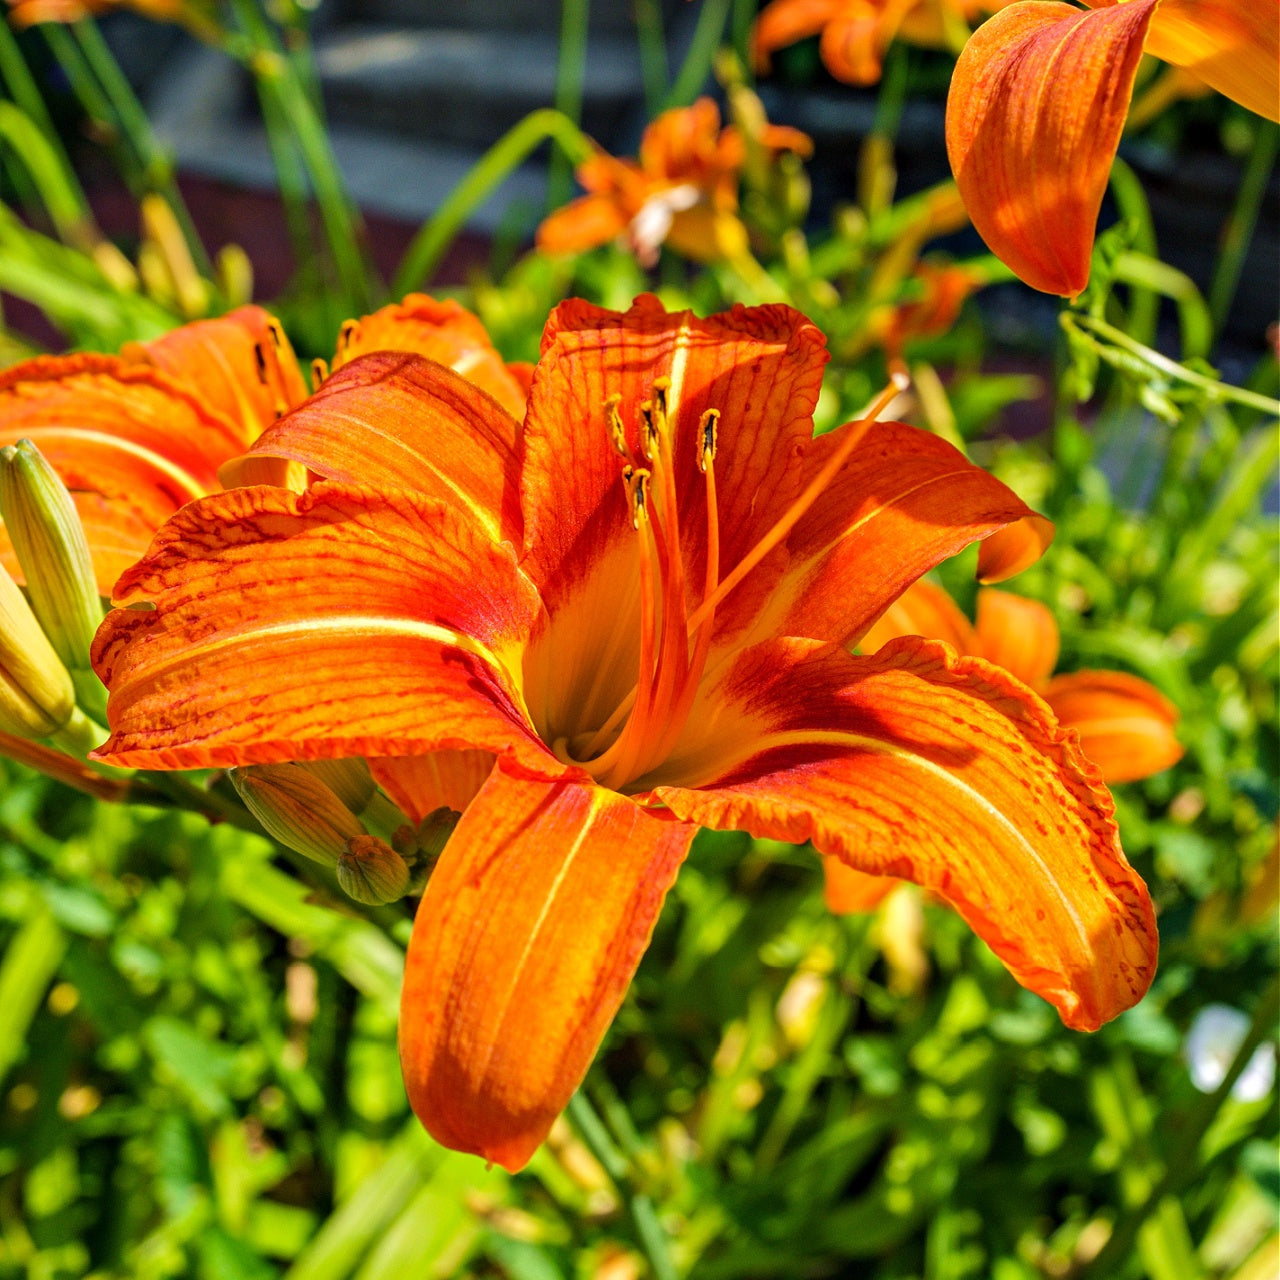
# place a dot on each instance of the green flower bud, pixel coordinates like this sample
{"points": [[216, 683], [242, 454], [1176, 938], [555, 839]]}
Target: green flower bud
{"points": [[298, 809], [372, 872], [36, 694], [47, 536]]}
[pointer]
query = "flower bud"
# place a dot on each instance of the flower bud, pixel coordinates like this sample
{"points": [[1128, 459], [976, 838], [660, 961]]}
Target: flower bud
{"points": [[44, 527], [372, 872], [298, 809], [36, 694], [349, 779]]}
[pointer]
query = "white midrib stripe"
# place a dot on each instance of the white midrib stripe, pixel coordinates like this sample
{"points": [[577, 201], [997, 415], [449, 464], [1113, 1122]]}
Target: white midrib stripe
{"points": [[364, 624], [157, 460], [976, 798], [552, 894]]}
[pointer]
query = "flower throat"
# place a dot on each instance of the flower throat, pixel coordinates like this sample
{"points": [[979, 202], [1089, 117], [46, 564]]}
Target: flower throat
{"points": [[675, 643]]}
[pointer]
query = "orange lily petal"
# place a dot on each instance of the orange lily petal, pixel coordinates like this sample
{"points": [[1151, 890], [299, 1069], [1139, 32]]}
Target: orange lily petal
{"points": [[760, 367], [903, 502], [924, 609], [532, 925], [1016, 547], [240, 364], [1232, 45], [442, 331], [1037, 104], [847, 891], [132, 444], [338, 622], [1018, 634], [946, 771], [783, 22], [853, 45], [395, 420], [1126, 726], [441, 779], [583, 224]]}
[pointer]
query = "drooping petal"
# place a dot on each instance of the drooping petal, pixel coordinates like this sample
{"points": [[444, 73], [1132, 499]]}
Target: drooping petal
{"points": [[942, 770], [1232, 45], [848, 891], [582, 224], [241, 365], [853, 44], [904, 501], [338, 622], [1037, 104], [530, 930], [1126, 726], [439, 330], [924, 609], [397, 421], [1015, 547], [132, 444], [441, 779], [1017, 634]]}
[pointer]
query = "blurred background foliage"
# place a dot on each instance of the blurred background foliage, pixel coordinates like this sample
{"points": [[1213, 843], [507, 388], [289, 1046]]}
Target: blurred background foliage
{"points": [[198, 1071]]}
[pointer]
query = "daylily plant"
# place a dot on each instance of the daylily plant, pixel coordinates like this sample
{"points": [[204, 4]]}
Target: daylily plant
{"points": [[1125, 725], [856, 33], [592, 632], [135, 436], [1038, 102], [683, 190]]}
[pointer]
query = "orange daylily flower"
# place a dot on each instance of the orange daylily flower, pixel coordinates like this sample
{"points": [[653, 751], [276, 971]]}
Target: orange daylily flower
{"points": [[135, 436], [198, 18], [1125, 725], [1038, 102], [856, 33], [683, 190], [594, 631]]}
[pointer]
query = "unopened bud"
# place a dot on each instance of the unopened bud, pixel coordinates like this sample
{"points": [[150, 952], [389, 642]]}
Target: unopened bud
{"points": [[48, 538], [36, 693], [372, 872], [349, 779], [298, 809]]}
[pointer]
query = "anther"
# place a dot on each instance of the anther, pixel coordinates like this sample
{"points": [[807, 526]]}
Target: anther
{"points": [[348, 334], [708, 425], [660, 388], [648, 431], [276, 330], [260, 359], [613, 421], [637, 482], [319, 371]]}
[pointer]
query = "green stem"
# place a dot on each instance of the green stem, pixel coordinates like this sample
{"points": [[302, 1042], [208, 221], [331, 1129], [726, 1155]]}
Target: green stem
{"points": [[571, 70], [79, 735], [1219, 392], [649, 1230], [696, 67], [1131, 200], [276, 76], [1193, 316], [156, 163], [1243, 219], [510, 151], [22, 86], [1182, 1166], [653, 54]]}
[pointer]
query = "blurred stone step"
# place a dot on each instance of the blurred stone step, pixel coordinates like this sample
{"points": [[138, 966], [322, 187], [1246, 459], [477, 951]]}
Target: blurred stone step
{"points": [[205, 116], [466, 87]]}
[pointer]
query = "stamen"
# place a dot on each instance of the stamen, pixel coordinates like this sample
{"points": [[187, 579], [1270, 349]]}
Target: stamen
{"points": [[319, 372], [347, 335], [853, 434], [260, 361], [613, 421], [708, 425]]}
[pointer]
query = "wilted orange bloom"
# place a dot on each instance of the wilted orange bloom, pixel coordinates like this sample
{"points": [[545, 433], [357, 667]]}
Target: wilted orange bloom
{"points": [[1038, 102], [683, 190], [945, 289], [1125, 726], [135, 436], [593, 631], [856, 33]]}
